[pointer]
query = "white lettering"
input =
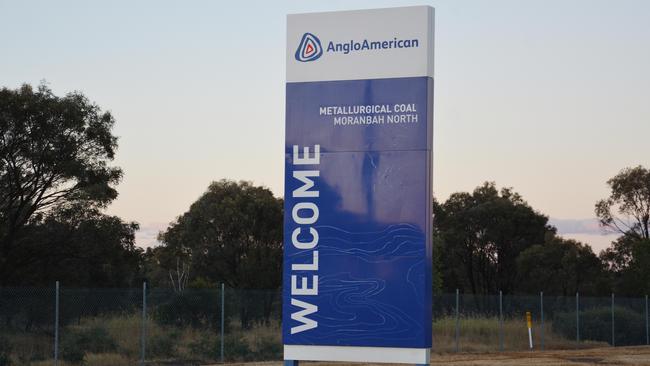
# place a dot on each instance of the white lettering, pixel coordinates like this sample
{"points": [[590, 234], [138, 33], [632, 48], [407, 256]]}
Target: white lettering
{"points": [[304, 245], [306, 160], [313, 266], [303, 176], [301, 316], [306, 220], [304, 288]]}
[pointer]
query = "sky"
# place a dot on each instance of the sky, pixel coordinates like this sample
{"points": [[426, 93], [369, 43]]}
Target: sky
{"points": [[549, 97]]}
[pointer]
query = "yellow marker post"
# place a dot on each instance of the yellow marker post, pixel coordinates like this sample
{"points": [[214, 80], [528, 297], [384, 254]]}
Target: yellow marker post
{"points": [[529, 322]]}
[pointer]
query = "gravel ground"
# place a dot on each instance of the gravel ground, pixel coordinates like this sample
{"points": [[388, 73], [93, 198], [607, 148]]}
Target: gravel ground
{"points": [[638, 356]]}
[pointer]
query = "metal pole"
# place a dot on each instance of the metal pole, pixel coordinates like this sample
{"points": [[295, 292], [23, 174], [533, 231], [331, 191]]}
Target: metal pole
{"points": [[500, 320], [647, 329], [457, 319], [541, 324], [613, 339], [144, 323], [577, 318], [56, 325], [223, 320]]}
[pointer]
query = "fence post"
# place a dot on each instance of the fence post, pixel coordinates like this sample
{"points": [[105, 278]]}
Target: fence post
{"points": [[143, 334], [647, 328], [613, 339], [457, 319], [577, 319], [223, 320], [541, 325], [500, 320], [56, 325]]}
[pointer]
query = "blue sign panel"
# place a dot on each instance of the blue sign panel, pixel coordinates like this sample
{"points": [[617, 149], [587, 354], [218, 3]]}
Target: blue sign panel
{"points": [[357, 247]]}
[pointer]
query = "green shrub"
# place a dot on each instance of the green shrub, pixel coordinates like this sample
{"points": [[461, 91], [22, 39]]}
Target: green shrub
{"points": [[236, 348], [77, 342], [99, 340], [209, 348], [206, 347], [72, 354], [197, 309], [596, 325], [268, 349], [163, 345]]}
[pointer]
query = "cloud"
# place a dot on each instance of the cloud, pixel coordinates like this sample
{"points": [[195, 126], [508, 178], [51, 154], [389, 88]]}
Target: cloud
{"points": [[597, 242], [586, 231], [147, 236], [582, 229], [578, 226]]}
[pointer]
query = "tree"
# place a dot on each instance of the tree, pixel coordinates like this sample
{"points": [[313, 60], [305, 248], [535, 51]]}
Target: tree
{"points": [[79, 246], [635, 279], [231, 234], [628, 261], [436, 257], [627, 209], [168, 265], [53, 151], [483, 232], [620, 254], [561, 267]]}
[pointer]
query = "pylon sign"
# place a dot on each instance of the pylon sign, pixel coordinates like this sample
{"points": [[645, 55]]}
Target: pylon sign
{"points": [[358, 173]]}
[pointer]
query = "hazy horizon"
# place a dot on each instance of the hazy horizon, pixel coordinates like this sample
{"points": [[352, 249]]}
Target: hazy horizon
{"points": [[547, 97]]}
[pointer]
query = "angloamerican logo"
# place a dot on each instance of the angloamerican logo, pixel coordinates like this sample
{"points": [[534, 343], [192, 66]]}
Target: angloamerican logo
{"points": [[309, 48]]}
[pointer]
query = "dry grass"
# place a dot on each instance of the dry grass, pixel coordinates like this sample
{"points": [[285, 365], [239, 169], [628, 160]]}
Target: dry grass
{"points": [[257, 335], [125, 330], [477, 335], [481, 335], [26, 345], [92, 359]]}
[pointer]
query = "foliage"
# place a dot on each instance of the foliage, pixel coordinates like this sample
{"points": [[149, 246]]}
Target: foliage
{"points": [[193, 308], [235, 348], [77, 342], [231, 234], [53, 150], [629, 261], [101, 249], [561, 267], [483, 232], [268, 349], [619, 255], [437, 248], [480, 334], [163, 345], [206, 347], [72, 354], [627, 209], [596, 325]]}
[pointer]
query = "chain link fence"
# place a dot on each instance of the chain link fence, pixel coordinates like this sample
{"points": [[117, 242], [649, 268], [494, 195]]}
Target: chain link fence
{"points": [[97, 327]]}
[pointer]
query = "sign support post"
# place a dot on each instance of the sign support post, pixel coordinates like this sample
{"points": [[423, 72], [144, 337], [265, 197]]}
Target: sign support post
{"points": [[358, 186]]}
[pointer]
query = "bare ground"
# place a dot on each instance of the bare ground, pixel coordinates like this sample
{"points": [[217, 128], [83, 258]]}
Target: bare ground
{"points": [[638, 356]]}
